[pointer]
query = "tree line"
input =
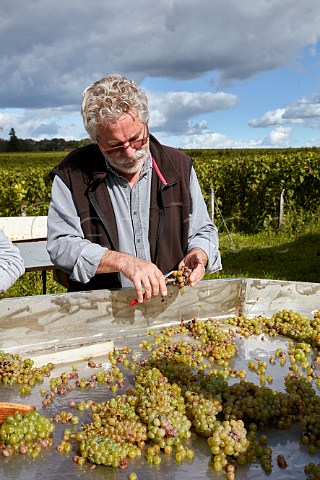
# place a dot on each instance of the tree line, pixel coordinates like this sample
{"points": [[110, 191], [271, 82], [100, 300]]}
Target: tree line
{"points": [[15, 144]]}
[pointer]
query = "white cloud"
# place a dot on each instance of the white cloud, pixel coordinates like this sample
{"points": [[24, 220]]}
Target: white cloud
{"points": [[42, 123], [210, 140], [269, 118], [173, 110], [279, 137], [305, 110], [51, 51]]}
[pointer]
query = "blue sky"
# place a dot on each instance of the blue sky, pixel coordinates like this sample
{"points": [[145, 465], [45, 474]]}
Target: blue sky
{"points": [[218, 73]]}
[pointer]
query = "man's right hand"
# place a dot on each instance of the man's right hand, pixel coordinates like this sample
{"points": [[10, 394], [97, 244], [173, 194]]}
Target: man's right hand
{"points": [[146, 277]]}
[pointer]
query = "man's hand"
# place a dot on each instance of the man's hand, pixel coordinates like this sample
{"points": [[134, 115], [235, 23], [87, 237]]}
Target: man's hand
{"points": [[146, 277], [196, 260]]}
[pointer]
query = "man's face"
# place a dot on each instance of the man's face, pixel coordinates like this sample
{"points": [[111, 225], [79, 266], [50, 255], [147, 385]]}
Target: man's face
{"points": [[125, 143]]}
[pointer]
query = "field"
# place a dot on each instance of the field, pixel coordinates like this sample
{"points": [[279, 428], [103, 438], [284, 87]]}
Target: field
{"points": [[276, 256]]}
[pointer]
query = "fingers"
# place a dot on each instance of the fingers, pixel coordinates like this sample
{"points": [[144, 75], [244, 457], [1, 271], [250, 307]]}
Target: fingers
{"points": [[147, 279], [155, 284], [197, 274], [196, 260], [149, 287]]}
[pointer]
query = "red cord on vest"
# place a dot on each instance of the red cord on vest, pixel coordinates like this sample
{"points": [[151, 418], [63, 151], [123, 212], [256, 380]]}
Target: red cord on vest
{"points": [[155, 166]]}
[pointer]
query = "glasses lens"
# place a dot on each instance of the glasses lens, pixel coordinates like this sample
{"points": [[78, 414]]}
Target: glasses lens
{"points": [[136, 144], [115, 150]]}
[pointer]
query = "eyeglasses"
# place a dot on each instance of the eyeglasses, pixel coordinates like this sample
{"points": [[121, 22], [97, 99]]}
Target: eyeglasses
{"points": [[136, 144]]}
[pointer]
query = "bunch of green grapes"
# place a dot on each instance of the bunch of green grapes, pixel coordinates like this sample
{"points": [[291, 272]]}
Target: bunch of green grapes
{"points": [[102, 450], [216, 342], [245, 400], [312, 470], [202, 411], [177, 352], [302, 392], [26, 433], [229, 439], [114, 433], [213, 342], [249, 326], [310, 425], [181, 277], [161, 406], [175, 371], [118, 420], [292, 324], [214, 383], [315, 324], [15, 370]]}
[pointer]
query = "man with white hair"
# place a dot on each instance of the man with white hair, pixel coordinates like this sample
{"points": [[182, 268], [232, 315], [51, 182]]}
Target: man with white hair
{"points": [[126, 209]]}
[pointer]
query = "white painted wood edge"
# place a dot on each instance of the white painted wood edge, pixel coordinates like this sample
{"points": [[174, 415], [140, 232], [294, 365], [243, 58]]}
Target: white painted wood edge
{"points": [[24, 228], [73, 354]]}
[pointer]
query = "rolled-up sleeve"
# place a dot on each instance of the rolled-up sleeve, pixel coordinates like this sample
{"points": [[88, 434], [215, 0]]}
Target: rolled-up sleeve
{"points": [[66, 245], [202, 231]]}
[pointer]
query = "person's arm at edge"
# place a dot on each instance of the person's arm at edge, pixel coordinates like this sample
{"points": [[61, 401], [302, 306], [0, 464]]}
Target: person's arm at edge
{"points": [[11, 263]]}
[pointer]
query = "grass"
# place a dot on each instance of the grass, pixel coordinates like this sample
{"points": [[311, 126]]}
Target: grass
{"points": [[285, 255], [293, 256], [30, 284]]}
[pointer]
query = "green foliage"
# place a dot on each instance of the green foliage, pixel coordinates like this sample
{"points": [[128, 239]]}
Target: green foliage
{"points": [[283, 255], [25, 185], [31, 283], [15, 144], [248, 183]]}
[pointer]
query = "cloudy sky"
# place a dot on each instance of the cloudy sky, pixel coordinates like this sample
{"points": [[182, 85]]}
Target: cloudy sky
{"points": [[218, 73]]}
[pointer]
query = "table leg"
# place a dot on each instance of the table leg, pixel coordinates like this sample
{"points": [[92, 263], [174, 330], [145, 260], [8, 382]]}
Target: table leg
{"points": [[44, 281]]}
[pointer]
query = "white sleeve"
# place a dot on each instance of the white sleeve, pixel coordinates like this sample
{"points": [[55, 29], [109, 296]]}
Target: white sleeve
{"points": [[11, 263]]}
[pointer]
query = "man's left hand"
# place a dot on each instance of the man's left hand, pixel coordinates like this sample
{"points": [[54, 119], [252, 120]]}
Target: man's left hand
{"points": [[196, 260]]}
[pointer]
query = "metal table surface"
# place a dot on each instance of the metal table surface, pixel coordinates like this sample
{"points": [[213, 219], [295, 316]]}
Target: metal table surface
{"points": [[35, 255], [66, 322], [36, 258]]}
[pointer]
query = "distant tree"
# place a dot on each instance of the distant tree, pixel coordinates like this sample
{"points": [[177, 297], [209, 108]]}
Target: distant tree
{"points": [[3, 145], [13, 144]]}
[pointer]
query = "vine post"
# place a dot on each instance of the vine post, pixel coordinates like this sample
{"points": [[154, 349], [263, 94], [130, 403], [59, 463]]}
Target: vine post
{"points": [[281, 208], [212, 204]]}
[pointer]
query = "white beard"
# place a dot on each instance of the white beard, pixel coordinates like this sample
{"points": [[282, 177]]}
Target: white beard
{"points": [[130, 165]]}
